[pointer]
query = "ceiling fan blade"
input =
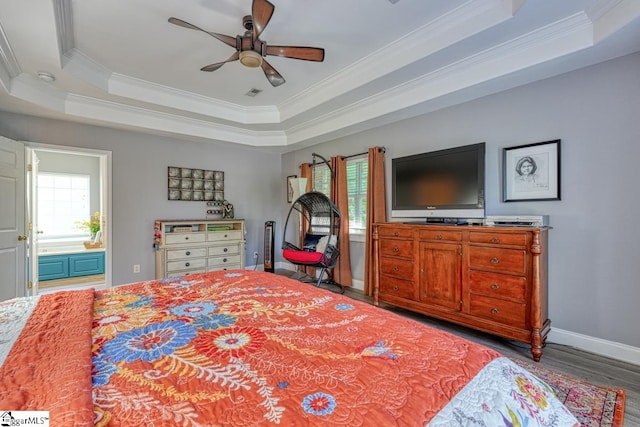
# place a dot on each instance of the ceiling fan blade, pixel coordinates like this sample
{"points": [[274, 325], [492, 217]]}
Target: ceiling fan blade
{"points": [[214, 67], [261, 12], [273, 76], [228, 40], [297, 52]]}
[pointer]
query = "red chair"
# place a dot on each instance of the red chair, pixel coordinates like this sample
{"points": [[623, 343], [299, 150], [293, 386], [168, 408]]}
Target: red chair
{"points": [[319, 219]]}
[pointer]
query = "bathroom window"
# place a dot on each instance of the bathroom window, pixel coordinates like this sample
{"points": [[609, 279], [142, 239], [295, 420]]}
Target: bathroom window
{"points": [[63, 203]]}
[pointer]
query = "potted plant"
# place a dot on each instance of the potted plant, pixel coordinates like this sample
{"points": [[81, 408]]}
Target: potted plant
{"points": [[92, 225]]}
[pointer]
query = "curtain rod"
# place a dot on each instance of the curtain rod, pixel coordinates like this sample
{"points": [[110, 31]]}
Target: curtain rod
{"points": [[383, 149]]}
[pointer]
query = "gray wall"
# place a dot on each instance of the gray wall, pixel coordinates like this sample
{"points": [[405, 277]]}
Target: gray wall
{"points": [[139, 183], [594, 272]]}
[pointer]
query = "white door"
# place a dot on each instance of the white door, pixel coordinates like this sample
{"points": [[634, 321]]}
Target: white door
{"points": [[32, 222], [13, 238]]}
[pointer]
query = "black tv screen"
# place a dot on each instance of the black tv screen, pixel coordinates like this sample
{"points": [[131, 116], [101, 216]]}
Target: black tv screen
{"points": [[439, 184]]}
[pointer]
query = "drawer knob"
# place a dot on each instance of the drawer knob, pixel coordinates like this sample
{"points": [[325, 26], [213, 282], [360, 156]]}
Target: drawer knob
{"points": [[396, 268], [186, 238], [224, 260], [494, 286], [439, 236], [396, 288], [395, 234], [186, 264], [495, 240], [225, 236], [395, 249], [188, 253], [494, 260], [495, 311], [225, 250]]}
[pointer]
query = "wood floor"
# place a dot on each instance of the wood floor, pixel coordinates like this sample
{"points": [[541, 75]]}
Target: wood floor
{"points": [[72, 281], [578, 363]]}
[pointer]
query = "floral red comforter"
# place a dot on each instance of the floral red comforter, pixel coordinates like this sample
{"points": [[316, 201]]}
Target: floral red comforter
{"points": [[246, 348]]}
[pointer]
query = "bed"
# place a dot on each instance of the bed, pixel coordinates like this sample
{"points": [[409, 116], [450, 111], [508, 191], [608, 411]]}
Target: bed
{"points": [[249, 348]]}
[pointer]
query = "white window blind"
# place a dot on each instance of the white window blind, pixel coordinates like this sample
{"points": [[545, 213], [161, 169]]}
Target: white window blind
{"points": [[63, 200], [357, 173]]}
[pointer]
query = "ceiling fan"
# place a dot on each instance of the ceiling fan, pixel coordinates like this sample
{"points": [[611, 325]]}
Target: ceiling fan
{"points": [[250, 50]]}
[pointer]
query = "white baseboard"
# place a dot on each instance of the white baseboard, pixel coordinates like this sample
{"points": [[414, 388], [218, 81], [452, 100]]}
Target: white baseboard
{"points": [[614, 350]]}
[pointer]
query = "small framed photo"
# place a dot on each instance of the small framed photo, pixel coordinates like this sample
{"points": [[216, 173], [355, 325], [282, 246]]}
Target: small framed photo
{"points": [[531, 172], [290, 182]]}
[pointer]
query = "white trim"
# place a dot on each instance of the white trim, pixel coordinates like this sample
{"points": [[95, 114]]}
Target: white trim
{"points": [[614, 350]]}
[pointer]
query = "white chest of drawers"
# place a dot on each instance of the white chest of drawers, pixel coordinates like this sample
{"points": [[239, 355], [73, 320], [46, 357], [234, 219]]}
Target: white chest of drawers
{"points": [[197, 246]]}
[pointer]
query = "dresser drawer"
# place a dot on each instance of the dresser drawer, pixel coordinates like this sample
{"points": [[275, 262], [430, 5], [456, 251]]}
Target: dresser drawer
{"points": [[397, 287], [174, 254], [512, 261], [441, 235], [507, 312], [223, 260], [224, 267], [224, 250], [519, 239], [186, 272], [186, 264], [392, 247], [497, 285], [397, 267], [180, 238], [221, 236], [392, 232]]}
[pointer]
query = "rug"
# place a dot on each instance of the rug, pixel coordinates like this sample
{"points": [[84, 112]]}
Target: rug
{"points": [[592, 405]]}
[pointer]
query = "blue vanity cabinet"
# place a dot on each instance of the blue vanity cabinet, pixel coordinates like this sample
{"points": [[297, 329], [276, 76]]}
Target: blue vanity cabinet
{"points": [[86, 264], [52, 267]]}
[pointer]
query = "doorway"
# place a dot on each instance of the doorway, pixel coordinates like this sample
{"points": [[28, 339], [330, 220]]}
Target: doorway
{"points": [[69, 206]]}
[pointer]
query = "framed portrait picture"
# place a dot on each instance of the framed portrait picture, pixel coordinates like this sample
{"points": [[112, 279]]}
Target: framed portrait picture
{"points": [[531, 172], [290, 183]]}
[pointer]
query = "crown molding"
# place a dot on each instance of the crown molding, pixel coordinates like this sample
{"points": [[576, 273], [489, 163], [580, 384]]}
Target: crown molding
{"points": [[95, 109], [31, 89], [7, 58], [63, 15], [560, 38], [613, 15], [458, 24], [153, 93]]}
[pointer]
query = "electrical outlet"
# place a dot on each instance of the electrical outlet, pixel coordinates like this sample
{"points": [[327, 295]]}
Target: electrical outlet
{"points": [[136, 268], [255, 255]]}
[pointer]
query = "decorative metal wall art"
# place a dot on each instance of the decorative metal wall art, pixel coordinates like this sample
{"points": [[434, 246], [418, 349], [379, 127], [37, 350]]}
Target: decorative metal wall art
{"points": [[195, 184]]}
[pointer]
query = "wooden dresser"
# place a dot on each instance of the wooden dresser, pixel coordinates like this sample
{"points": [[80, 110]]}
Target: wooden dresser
{"points": [[196, 246], [489, 278]]}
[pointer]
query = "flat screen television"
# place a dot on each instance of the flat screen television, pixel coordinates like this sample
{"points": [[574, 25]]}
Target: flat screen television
{"points": [[440, 186]]}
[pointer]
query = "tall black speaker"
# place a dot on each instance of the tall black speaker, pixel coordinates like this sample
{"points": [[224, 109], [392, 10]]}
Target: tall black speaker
{"points": [[269, 230]]}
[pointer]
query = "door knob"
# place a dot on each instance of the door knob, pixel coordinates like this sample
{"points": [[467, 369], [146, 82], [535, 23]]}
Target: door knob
{"points": [[22, 237]]}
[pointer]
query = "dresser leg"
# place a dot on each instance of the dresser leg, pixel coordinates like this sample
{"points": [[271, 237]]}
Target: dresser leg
{"points": [[536, 344]]}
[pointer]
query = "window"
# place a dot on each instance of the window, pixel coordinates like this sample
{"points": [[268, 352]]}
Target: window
{"points": [[357, 174], [63, 201], [322, 179]]}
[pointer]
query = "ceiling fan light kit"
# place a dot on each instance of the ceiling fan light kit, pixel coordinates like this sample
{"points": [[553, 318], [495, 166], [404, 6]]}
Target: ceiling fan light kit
{"points": [[250, 50], [250, 58]]}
